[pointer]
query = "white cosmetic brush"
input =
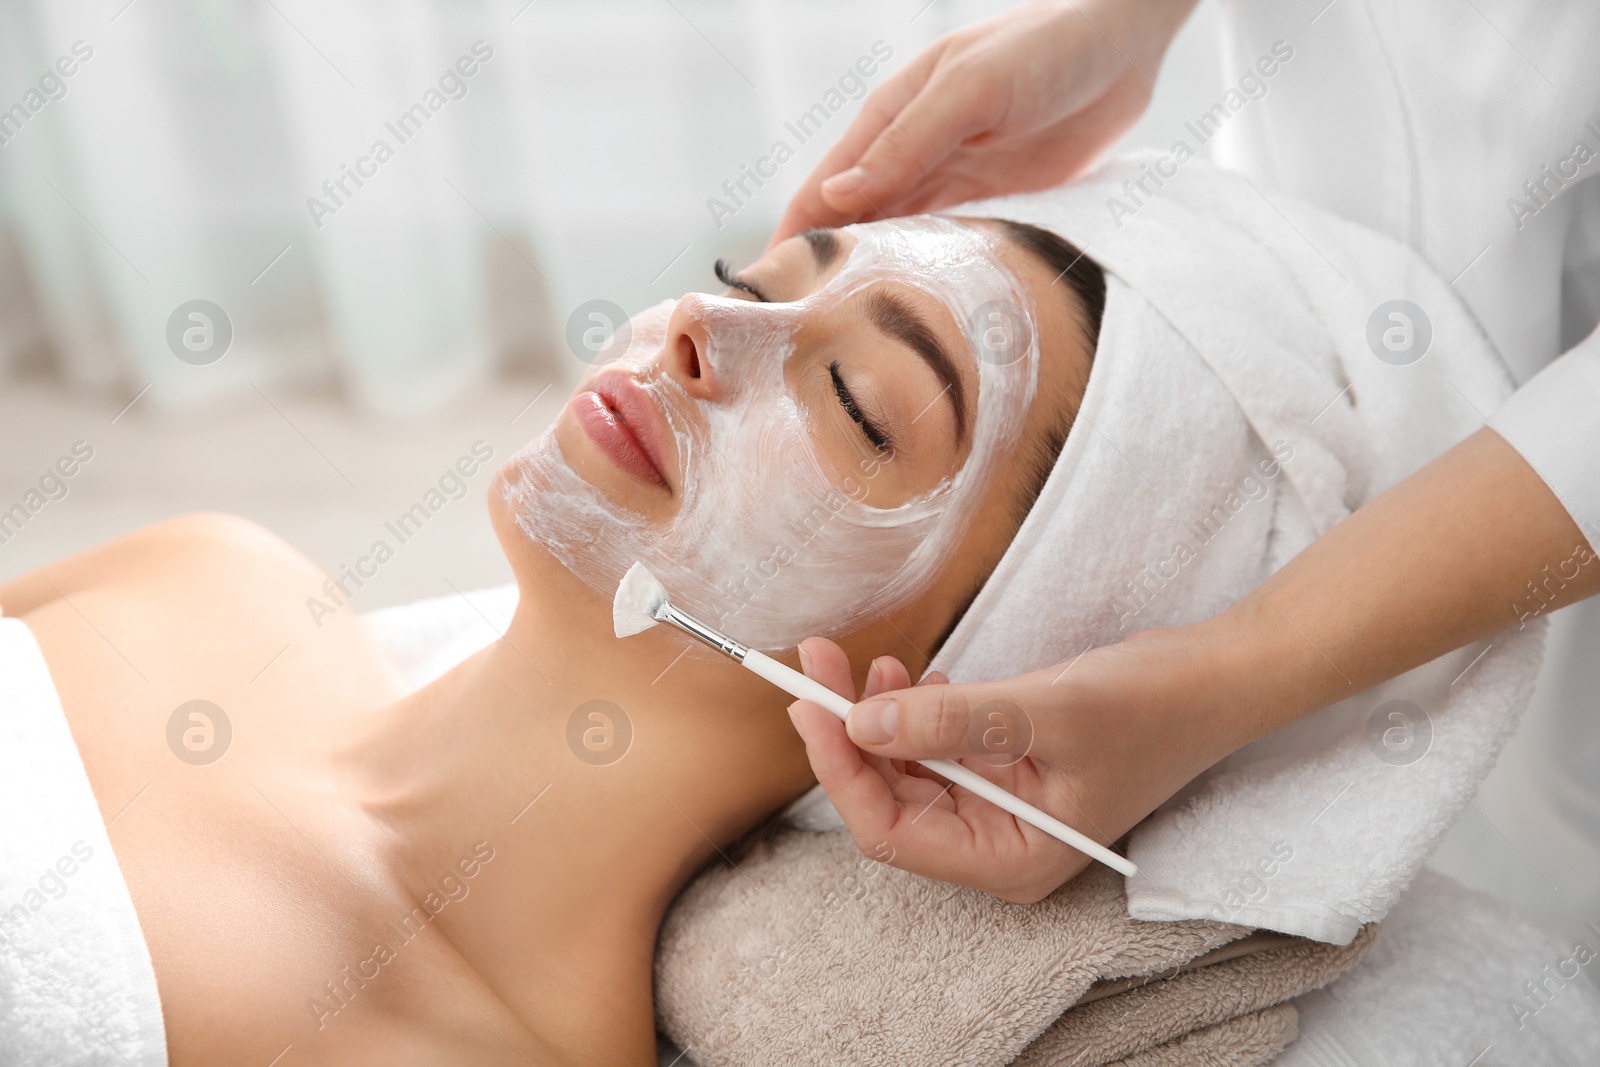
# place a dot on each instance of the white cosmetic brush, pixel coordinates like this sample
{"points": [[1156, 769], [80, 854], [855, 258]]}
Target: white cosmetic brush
{"points": [[641, 602]]}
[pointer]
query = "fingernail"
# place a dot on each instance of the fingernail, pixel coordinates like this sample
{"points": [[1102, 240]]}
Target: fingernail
{"points": [[874, 675], [874, 722], [796, 720], [847, 181], [805, 661]]}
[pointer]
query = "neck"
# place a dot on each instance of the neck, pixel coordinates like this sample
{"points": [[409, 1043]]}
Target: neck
{"points": [[599, 773]]}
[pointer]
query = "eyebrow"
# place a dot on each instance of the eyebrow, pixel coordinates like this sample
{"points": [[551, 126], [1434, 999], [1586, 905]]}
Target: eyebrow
{"points": [[824, 246], [900, 322]]}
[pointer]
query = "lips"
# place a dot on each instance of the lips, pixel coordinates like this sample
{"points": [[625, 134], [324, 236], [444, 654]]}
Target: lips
{"points": [[626, 425]]}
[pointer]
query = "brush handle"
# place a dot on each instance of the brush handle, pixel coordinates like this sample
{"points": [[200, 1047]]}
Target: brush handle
{"points": [[796, 684]]}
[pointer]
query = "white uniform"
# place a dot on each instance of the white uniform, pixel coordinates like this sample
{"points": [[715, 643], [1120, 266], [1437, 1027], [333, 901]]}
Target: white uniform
{"points": [[1471, 131]]}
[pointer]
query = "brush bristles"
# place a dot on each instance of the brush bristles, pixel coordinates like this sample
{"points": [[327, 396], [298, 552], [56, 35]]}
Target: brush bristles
{"points": [[639, 602]]}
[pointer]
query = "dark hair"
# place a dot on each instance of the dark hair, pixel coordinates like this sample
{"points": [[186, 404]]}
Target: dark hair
{"points": [[1083, 275], [1085, 288]]}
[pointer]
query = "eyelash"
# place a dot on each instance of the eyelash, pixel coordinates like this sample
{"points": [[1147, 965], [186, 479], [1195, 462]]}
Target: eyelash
{"points": [[874, 435], [726, 276]]}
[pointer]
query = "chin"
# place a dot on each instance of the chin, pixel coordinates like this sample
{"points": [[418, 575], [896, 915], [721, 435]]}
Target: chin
{"points": [[518, 488], [506, 492], [537, 572]]}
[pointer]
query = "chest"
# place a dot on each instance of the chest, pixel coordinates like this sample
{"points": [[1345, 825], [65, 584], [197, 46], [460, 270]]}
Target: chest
{"points": [[205, 725]]}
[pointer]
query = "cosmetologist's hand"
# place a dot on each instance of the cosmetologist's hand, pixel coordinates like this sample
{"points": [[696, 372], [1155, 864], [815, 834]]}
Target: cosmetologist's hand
{"points": [[1428, 566], [1099, 743], [1018, 102]]}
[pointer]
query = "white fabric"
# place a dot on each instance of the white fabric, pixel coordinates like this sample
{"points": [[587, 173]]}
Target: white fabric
{"points": [[1533, 836], [76, 983], [1234, 326], [428, 637], [1566, 394], [1424, 119], [1441, 988]]}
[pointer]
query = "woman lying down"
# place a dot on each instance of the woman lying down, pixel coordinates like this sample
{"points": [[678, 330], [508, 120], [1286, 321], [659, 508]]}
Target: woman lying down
{"points": [[844, 444]]}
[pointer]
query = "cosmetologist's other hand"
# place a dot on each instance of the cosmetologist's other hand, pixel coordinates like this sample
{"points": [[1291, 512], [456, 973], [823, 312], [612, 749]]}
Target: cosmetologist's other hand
{"points": [[1018, 102], [1098, 742]]}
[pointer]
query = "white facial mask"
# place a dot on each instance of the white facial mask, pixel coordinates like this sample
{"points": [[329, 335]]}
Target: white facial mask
{"points": [[767, 544]]}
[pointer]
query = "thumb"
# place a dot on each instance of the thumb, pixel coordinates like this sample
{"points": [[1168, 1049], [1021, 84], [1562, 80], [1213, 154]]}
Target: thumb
{"points": [[941, 722]]}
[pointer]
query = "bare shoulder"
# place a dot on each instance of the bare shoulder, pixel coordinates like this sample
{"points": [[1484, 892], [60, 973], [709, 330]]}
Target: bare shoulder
{"points": [[192, 595], [209, 542], [201, 607]]}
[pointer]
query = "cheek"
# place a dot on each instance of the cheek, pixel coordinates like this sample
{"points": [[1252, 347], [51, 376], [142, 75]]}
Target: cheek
{"points": [[843, 457], [647, 332], [849, 464], [814, 414]]}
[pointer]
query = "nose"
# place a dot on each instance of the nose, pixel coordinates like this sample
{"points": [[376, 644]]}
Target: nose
{"points": [[685, 351]]}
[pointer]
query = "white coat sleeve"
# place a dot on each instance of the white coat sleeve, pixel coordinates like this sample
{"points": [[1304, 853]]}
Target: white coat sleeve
{"points": [[1553, 422]]}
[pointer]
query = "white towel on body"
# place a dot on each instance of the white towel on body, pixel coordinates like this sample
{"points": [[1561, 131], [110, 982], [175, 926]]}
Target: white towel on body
{"points": [[76, 985]]}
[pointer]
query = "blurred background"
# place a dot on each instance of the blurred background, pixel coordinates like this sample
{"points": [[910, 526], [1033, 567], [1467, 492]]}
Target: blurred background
{"points": [[387, 309], [382, 324]]}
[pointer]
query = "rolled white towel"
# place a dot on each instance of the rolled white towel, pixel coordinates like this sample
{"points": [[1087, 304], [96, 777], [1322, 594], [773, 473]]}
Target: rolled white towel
{"points": [[77, 988]]}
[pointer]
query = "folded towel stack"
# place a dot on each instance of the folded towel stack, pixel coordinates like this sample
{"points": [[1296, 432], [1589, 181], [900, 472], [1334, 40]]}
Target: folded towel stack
{"points": [[761, 964]]}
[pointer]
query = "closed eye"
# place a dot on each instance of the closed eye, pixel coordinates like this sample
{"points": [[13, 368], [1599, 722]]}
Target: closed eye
{"points": [[869, 427], [726, 276]]}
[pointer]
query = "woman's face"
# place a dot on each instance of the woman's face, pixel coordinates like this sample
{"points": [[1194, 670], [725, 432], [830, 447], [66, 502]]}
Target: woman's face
{"points": [[807, 452]]}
